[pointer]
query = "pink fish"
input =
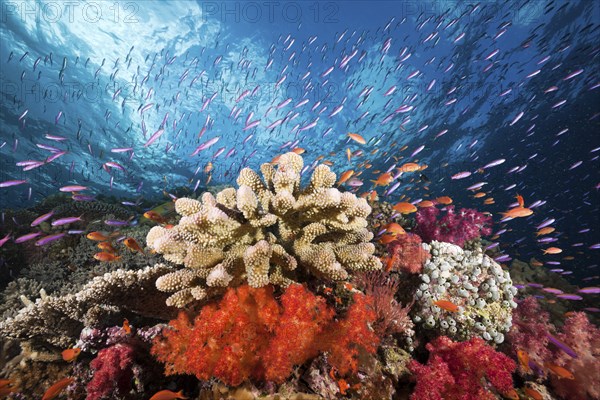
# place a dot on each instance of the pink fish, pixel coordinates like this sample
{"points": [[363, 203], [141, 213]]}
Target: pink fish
{"points": [[12, 183], [66, 220], [55, 156], [73, 188], [42, 218], [205, 145], [121, 149], [154, 137], [55, 138], [4, 240], [27, 237], [50, 238]]}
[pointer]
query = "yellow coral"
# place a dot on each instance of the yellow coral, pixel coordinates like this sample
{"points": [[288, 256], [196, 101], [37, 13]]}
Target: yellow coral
{"points": [[263, 231]]}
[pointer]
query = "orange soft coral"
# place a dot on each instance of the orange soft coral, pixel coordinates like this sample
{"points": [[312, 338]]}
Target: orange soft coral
{"points": [[249, 335]]}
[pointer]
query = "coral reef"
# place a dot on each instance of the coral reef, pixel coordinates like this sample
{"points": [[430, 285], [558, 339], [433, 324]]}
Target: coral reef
{"points": [[469, 370], [263, 231], [59, 320], [392, 318], [407, 254], [529, 333], [584, 338], [453, 227], [477, 292], [249, 335]]}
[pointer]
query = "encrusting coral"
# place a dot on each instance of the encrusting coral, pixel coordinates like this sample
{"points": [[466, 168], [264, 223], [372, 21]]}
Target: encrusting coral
{"points": [[464, 293], [265, 232]]}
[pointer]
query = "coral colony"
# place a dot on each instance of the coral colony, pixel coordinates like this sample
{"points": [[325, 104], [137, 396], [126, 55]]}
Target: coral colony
{"points": [[275, 288]]}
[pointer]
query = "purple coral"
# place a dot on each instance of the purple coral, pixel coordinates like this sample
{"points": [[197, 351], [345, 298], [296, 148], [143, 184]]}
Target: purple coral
{"points": [[453, 227]]}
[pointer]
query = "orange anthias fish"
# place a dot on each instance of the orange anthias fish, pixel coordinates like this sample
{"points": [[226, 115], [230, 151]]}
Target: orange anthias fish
{"points": [[545, 231], [446, 305], [386, 239], [298, 150], [517, 212], [168, 395], [126, 326], [520, 200], [357, 138], [445, 200], [107, 257], [511, 394], [97, 236], [409, 167], [552, 250], [426, 203], [395, 229], [133, 245], [534, 394], [345, 176], [478, 195], [71, 354], [536, 263], [383, 179], [108, 247], [405, 208], [156, 217], [488, 201], [560, 371], [58, 387], [523, 357]]}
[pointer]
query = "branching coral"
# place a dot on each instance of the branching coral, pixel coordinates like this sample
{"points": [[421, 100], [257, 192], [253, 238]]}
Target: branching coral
{"points": [[249, 335], [454, 227], [407, 254], [584, 338], [59, 320], [462, 371], [464, 293], [264, 230]]}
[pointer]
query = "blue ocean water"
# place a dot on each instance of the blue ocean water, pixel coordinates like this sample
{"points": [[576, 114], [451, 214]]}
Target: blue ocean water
{"points": [[469, 82]]}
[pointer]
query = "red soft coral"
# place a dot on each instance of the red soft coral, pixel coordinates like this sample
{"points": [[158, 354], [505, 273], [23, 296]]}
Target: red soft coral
{"points": [[346, 338], [407, 254], [529, 333], [583, 337], [112, 372], [249, 335], [462, 371], [453, 227]]}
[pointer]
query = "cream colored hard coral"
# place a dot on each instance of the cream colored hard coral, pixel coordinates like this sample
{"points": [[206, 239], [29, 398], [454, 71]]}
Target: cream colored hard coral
{"points": [[268, 231]]}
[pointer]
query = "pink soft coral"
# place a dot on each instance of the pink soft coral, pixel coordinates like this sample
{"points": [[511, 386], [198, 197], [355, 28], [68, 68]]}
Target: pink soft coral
{"points": [[112, 372], [583, 337], [462, 371], [454, 227], [529, 332], [407, 254]]}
